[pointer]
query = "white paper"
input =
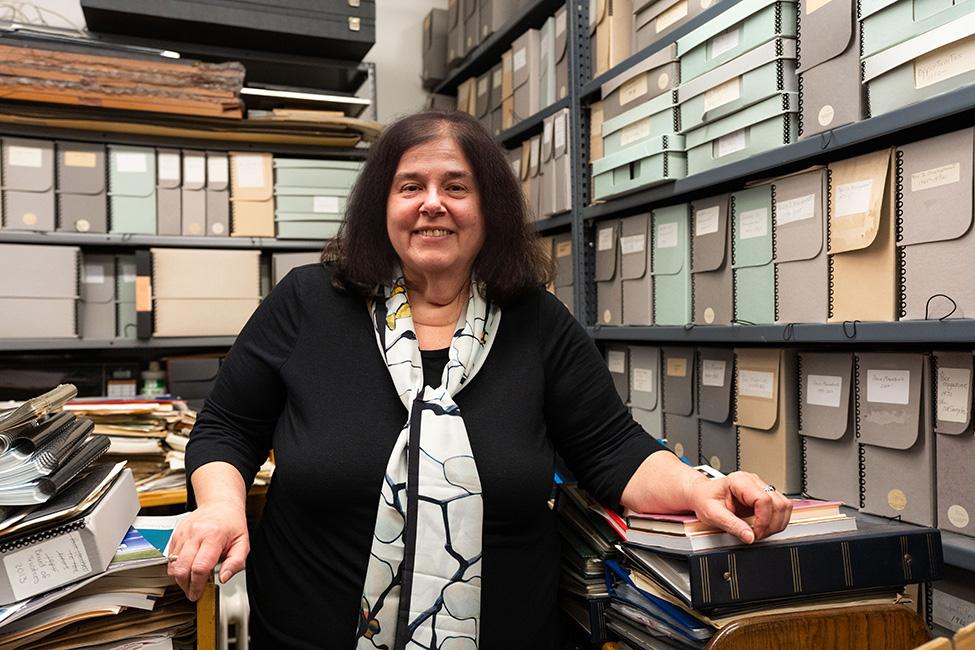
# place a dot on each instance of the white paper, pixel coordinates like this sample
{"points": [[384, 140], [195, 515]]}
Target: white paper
{"points": [[482, 86], [168, 166], [94, 274], [712, 373], [798, 209], [516, 167], [635, 132], [951, 612], [671, 16], [706, 221], [128, 273], [560, 131], [888, 386], [824, 390], [560, 21], [533, 152], [633, 244], [945, 63], [547, 132], [726, 93], [605, 239], [129, 162], [496, 79], [642, 380], [756, 383], [667, 235], [633, 89], [563, 249], [329, 204], [47, 565], [753, 223], [931, 178], [954, 394], [853, 198], [24, 156], [250, 171], [194, 170], [616, 360], [731, 143], [520, 59], [218, 170], [725, 42]]}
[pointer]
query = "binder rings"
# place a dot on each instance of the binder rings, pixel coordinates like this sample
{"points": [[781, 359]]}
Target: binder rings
{"points": [[712, 277], [132, 189], [81, 196], [645, 389], [28, 184], [894, 422], [751, 246], [679, 403], [827, 427], [635, 276], [609, 285], [934, 177], [671, 255], [801, 263], [955, 444], [715, 384], [168, 193], [618, 363]]}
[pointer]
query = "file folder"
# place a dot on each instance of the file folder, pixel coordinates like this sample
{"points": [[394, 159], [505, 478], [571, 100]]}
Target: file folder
{"points": [[125, 314], [251, 195], [168, 193], [525, 75], [561, 54], [610, 33], [671, 266], [132, 189], [635, 276], [193, 194], [547, 169], [562, 157], [97, 306], [28, 184], [82, 199], [715, 379], [955, 444], [218, 194], [680, 404], [609, 281], [645, 389], [754, 275], [801, 263], [618, 364], [712, 276], [564, 286]]}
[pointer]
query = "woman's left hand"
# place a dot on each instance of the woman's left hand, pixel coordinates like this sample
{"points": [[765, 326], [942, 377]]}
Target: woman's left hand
{"points": [[724, 501]]}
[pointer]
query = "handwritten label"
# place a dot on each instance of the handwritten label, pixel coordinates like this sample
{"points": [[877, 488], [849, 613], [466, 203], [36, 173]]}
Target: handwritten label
{"points": [[731, 143], [753, 223], [667, 235], [677, 367], [756, 383], [725, 42], [168, 166], [944, 63], [329, 204], [94, 274], [642, 380], [706, 221], [24, 156], [218, 169], [80, 159], [47, 565], [951, 612], [250, 171], [931, 178], [798, 209], [671, 16], [194, 170], [633, 244], [712, 372], [723, 94], [563, 249], [616, 360], [888, 386], [824, 390], [853, 198], [633, 89], [521, 59], [954, 394], [128, 162], [635, 132], [605, 242]]}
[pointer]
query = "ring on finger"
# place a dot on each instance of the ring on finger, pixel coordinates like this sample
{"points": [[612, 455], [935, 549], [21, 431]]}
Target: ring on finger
{"points": [[769, 488]]}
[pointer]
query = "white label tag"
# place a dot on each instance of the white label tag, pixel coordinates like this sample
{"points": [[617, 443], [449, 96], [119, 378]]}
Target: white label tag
{"points": [[756, 383], [798, 209], [563, 249], [633, 89], [168, 166], [729, 144], [712, 373], [218, 169], [194, 170], [547, 132], [888, 386], [633, 244], [726, 93], [24, 156], [824, 390], [931, 178], [496, 79], [47, 565], [813, 5], [516, 167], [128, 273], [520, 59], [944, 63], [706, 221], [671, 16], [616, 361], [667, 235], [533, 151], [250, 171], [677, 367], [482, 86], [853, 198], [94, 274], [329, 204], [605, 240], [951, 612], [753, 224], [725, 42], [642, 380], [128, 162], [635, 132], [560, 131], [954, 394]]}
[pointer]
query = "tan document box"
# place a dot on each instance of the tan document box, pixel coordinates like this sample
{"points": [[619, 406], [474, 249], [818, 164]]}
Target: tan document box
{"points": [[635, 274], [645, 385], [715, 384], [561, 54], [654, 19], [252, 194], [955, 443], [456, 36], [97, 306], [680, 403], [712, 276], [801, 262], [81, 187], [28, 184], [525, 60], [609, 280], [610, 33]]}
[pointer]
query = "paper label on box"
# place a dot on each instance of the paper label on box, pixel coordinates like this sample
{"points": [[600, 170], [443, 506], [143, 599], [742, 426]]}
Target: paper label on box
{"points": [[547, 132], [217, 169], [725, 42], [605, 242], [635, 132], [958, 516], [824, 390], [667, 235], [633, 89], [80, 159], [496, 78], [944, 63], [951, 612], [560, 131], [706, 221], [563, 249], [633, 244], [128, 162], [888, 386], [797, 209], [250, 171], [128, 273], [814, 5], [726, 93], [853, 198], [753, 224], [954, 394], [616, 360], [729, 144], [560, 23], [194, 170], [94, 274], [520, 59], [897, 499], [677, 367], [47, 565], [826, 115], [642, 380], [329, 204], [756, 383], [168, 166], [533, 151], [516, 167], [671, 16], [712, 372], [24, 156], [931, 178], [482, 86]]}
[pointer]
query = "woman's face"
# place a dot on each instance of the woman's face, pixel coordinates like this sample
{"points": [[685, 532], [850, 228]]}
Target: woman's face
{"points": [[433, 213]]}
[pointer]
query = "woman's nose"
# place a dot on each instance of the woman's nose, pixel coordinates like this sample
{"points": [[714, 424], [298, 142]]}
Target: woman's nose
{"points": [[431, 203]]}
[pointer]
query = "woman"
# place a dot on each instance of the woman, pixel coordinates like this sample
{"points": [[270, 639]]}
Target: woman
{"points": [[426, 328]]}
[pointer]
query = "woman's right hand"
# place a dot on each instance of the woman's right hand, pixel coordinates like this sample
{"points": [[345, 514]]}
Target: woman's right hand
{"points": [[214, 531]]}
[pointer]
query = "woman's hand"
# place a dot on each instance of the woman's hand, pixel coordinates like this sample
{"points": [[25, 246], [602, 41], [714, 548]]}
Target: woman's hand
{"points": [[208, 534], [723, 502]]}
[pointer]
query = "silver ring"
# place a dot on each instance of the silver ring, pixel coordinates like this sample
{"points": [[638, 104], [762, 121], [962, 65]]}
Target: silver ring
{"points": [[769, 488]]}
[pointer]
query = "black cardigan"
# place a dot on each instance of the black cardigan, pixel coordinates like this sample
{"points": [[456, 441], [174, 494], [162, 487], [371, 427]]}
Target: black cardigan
{"points": [[306, 378]]}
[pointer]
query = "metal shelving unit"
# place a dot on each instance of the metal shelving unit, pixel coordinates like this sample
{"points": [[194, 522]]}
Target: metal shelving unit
{"points": [[561, 221], [189, 342], [116, 240], [531, 126]]}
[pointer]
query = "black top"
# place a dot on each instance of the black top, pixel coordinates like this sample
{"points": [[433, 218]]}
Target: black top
{"points": [[306, 378]]}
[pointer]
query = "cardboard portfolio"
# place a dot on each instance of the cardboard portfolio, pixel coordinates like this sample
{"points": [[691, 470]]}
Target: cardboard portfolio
{"points": [[168, 193], [132, 189], [955, 444], [38, 291], [801, 263], [251, 195], [97, 305], [645, 389], [193, 194], [671, 263], [609, 280], [680, 402], [635, 274], [617, 360], [81, 191], [610, 33], [715, 390], [28, 184], [525, 60], [751, 218], [218, 194], [712, 275]]}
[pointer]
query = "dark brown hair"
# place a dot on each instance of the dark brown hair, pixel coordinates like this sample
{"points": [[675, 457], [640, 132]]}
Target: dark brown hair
{"points": [[510, 261]]}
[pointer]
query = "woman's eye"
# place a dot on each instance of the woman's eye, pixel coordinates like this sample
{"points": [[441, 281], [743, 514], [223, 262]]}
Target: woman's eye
{"points": [[411, 187], [456, 188]]}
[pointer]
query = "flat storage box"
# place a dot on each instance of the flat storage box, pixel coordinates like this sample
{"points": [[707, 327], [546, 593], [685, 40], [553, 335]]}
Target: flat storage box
{"points": [[610, 33], [639, 166], [680, 402], [955, 441], [751, 219], [225, 285], [766, 125], [716, 417], [768, 70], [338, 30], [251, 195], [671, 265], [652, 119], [97, 305], [81, 191], [935, 62], [28, 184], [132, 189], [654, 19], [192, 378], [742, 27], [953, 601], [885, 23], [304, 225], [299, 172], [38, 291], [526, 57], [283, 263], [712, 275], [641, 83], [434, 46], [645, 389]]}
